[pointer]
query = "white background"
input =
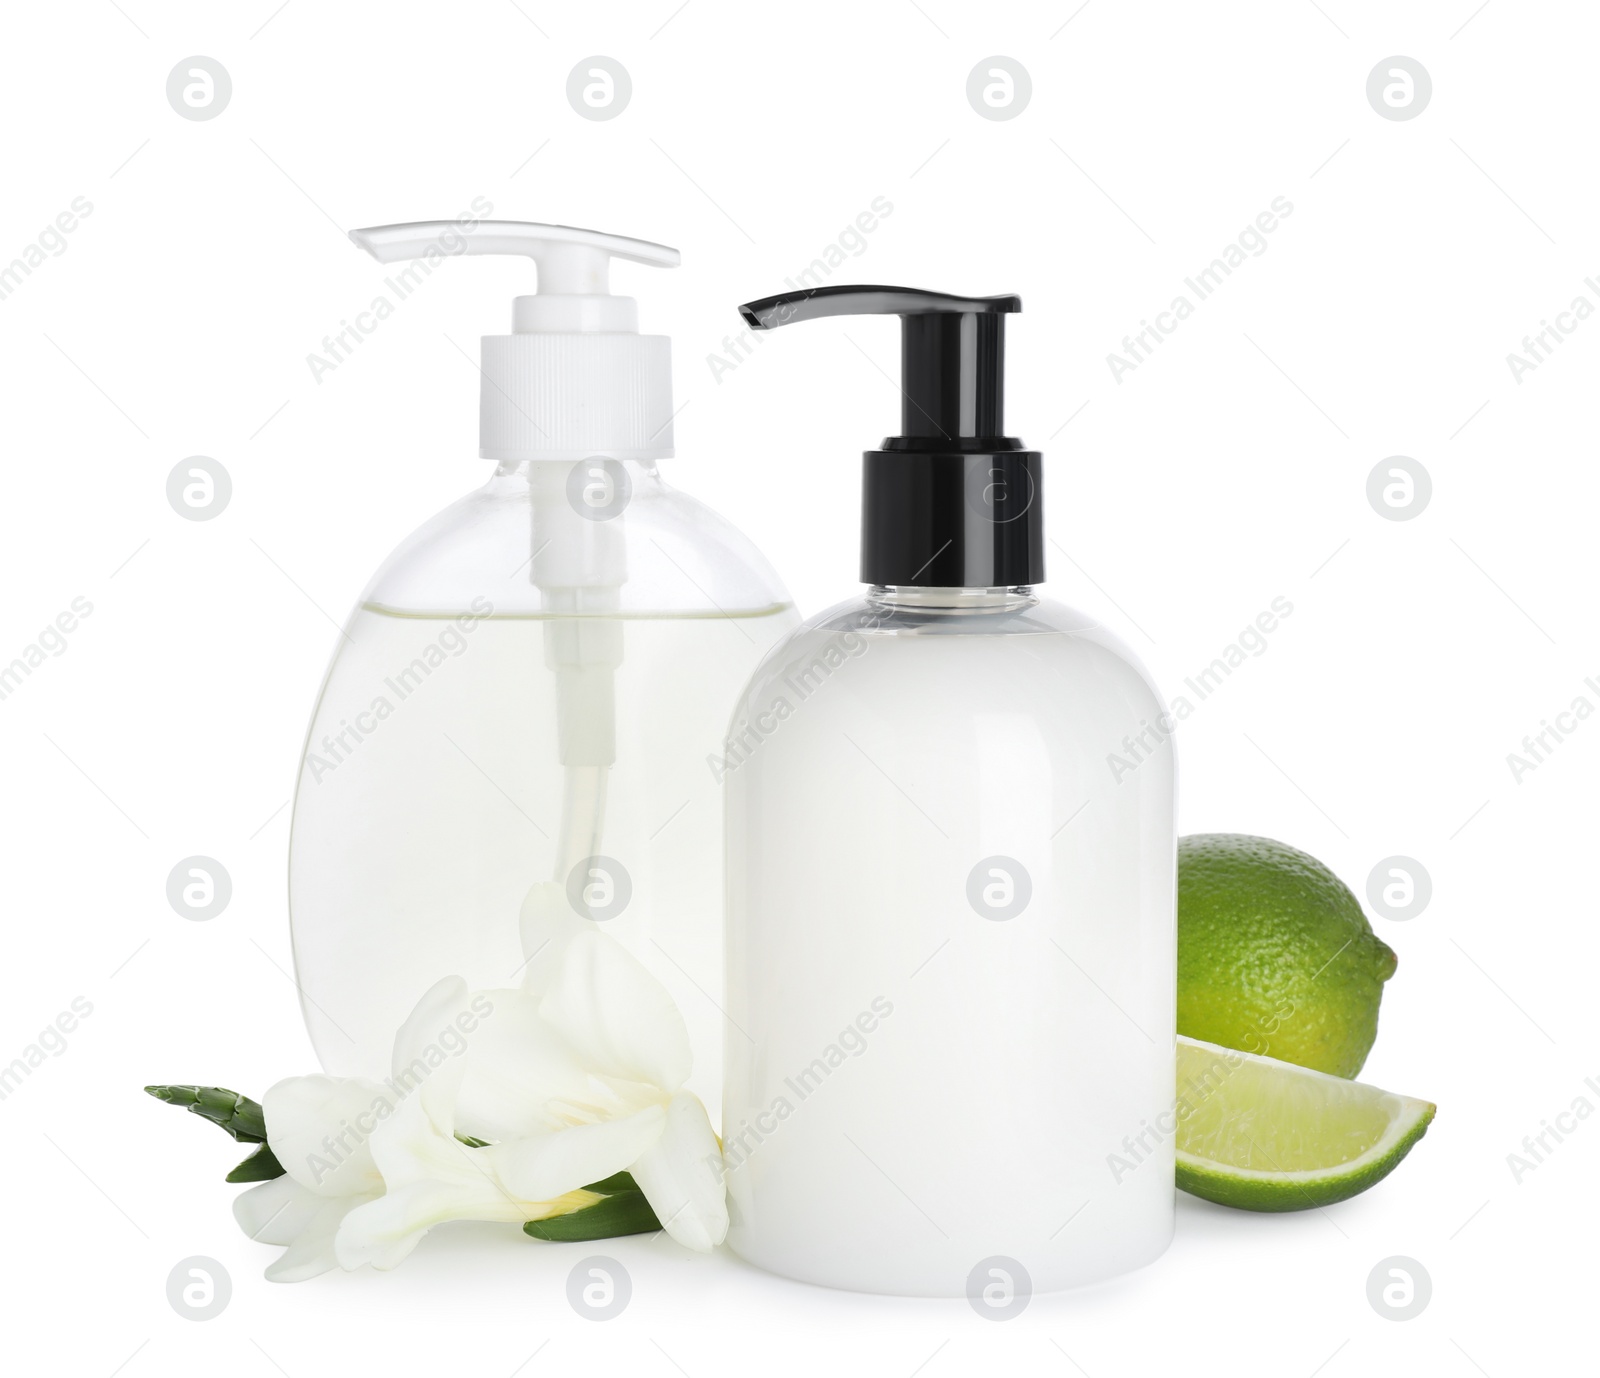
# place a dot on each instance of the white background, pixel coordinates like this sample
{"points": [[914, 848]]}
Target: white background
{"points": [[1228, 470]]}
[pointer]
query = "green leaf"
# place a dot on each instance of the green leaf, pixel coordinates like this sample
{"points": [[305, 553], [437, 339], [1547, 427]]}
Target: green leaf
{"points": [[260, 1166], [623, 1211], [228, 1110]]}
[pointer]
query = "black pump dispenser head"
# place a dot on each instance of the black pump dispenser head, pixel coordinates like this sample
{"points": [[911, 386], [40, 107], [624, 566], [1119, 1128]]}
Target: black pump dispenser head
{"points": [[950, 502]]}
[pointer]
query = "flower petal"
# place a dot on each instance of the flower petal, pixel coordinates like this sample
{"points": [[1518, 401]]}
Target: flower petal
{"points": [[276, 1211], [430, 1050], [548, 924], [410, 1147], [681, 1176], [541, 1167], [519, 1070], [318, 1127], [383, 1232], [618, 1019], [312, 1251]]}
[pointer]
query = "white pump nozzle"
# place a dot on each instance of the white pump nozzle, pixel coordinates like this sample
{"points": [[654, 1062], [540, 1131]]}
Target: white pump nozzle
{"points": [[574, 266], [574, 379]]}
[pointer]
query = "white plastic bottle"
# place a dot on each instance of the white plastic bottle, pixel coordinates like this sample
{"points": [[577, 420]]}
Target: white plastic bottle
{"points": [[513, 737], [951, 903]]}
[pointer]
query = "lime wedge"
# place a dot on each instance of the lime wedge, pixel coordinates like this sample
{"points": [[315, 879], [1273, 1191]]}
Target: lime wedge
{"points": [[1265, 1135]]}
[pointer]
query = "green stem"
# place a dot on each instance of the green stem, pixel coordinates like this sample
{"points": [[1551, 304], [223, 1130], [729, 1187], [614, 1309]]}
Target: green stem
{"points": [[622, 1210]]}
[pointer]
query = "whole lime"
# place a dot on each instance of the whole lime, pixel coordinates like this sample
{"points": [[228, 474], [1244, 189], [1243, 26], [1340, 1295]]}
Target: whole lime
{"points": [[1275, 956]]}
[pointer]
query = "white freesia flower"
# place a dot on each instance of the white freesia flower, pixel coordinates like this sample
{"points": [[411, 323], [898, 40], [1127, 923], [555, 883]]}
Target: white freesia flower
{"points": [[573, 1077], [369, 1168], [429, 1175], [582, 1069]]}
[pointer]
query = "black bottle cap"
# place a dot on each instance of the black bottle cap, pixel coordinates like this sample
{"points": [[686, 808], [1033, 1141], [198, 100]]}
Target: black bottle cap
{"points": [[950, 502]]}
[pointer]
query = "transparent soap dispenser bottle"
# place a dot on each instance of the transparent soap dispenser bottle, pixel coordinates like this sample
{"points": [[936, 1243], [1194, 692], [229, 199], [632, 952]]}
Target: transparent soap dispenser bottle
{"points": [[951, 912], [515, 735]]}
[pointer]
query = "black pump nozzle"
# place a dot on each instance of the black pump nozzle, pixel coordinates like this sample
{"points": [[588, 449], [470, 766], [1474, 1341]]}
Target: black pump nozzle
{"points": [[950, 502]]}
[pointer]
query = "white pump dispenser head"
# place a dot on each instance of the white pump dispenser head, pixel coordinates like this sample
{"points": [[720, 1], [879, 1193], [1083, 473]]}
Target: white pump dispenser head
{"points": [[574, 379]]}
